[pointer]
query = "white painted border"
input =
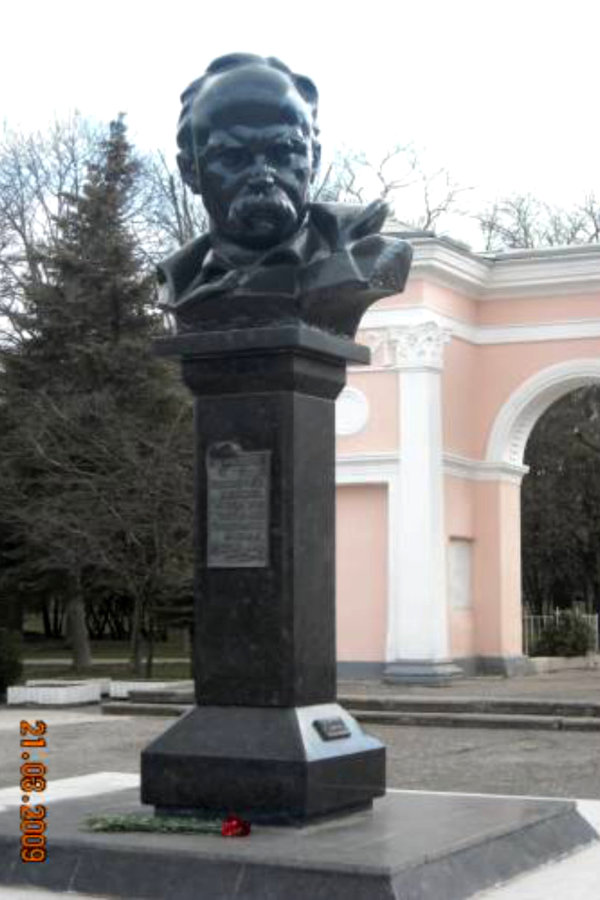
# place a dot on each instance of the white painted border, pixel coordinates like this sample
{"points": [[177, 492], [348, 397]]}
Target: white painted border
{"points": [[54, 694], [517, 417], [480, 335]]}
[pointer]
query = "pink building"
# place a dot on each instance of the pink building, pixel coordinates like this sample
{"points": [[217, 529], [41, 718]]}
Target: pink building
{"points": [[430, 449]]}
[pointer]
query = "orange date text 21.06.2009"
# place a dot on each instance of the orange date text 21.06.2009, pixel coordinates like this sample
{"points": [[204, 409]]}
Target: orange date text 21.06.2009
{"points": [[33, 782]]}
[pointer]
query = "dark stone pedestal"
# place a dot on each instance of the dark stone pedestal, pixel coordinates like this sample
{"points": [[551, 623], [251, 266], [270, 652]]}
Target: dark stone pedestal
{"points": [[267, 739], [410, 847], [266, 764]]}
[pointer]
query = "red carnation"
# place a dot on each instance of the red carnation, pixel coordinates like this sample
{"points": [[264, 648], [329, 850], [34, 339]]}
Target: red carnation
{"points": [[233, 826]]}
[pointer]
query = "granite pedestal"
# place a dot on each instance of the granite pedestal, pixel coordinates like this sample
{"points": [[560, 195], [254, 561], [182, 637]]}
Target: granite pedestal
{"points": [[409, 847], [266, 738]]}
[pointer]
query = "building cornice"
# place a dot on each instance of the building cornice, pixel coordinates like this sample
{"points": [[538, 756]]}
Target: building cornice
{"points": [[552, 271]]}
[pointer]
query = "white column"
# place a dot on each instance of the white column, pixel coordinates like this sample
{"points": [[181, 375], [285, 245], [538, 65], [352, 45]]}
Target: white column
{"points": [[419, 644]]}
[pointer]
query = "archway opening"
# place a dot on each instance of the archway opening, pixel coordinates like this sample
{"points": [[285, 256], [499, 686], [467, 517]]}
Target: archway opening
{"points": [[560, 516]]}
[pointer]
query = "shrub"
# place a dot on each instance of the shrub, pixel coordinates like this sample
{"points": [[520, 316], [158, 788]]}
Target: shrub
{"points": [[569, 635], [11, 667]]}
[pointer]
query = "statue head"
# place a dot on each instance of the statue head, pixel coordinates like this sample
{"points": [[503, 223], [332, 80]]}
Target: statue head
{"points": [[248, 145]]}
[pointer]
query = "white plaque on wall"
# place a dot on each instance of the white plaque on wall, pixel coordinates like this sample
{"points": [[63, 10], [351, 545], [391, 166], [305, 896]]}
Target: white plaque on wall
{"points": [[351, 412]]}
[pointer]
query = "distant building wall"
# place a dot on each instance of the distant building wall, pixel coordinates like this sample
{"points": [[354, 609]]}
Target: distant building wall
{"points": [[464, 362]]}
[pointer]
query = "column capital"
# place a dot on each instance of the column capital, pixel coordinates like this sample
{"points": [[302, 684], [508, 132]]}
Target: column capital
{"points": [[417, 346], [420, 346]]}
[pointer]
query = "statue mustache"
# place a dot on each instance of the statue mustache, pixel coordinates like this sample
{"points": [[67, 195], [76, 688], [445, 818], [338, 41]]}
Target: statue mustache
{"points": [[272, 200]]}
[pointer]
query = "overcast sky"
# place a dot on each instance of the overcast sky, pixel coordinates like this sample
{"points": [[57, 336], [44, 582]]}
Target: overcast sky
{"points": [[504, 94]]}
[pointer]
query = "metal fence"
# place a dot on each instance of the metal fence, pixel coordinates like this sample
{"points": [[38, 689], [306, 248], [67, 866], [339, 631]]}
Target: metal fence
{"points": [[534, 625]]}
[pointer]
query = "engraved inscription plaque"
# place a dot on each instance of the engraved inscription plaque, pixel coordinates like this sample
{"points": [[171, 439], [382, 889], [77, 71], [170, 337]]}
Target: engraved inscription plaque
{"points": [[238, 507], [332, 729]]}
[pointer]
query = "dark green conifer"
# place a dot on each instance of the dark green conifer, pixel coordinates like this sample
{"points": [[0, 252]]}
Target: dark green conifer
{"points": [[96, 460]]}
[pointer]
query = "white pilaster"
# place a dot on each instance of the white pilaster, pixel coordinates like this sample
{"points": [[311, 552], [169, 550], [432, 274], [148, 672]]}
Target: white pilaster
{"points": [[419, 642]]}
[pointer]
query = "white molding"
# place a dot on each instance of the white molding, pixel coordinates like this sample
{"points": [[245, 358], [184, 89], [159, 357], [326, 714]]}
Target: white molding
{"points": [[381, 468], [448, 265], [568, 330], [481, 470], [366, 468], [551, 271], [377, 322], [518, 415]]}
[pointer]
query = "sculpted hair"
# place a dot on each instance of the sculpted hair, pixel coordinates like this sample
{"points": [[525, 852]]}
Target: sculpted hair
{"points": [[185, 140]]}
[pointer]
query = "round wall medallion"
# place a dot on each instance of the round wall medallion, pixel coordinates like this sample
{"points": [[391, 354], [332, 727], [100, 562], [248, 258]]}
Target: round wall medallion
{"points": [[351, 412]]}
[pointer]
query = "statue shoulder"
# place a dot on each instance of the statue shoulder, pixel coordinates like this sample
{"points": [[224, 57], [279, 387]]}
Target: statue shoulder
{"points": [[342, 223], [177, 271]]}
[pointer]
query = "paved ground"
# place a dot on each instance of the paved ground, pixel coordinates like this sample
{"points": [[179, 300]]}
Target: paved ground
{"points": [[571, 684], [533, 763], [544, 763]]}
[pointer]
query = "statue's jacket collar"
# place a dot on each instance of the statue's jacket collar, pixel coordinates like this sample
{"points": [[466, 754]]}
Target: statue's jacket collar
{"points": [[204, 267], [326, 275]]}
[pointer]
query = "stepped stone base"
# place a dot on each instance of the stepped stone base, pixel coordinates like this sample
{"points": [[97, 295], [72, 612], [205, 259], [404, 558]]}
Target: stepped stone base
{"points": [[271, 765], [417, 846], [422, 671]]}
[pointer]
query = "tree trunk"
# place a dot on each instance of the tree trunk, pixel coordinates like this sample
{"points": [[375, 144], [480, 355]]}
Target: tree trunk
{"points": [[58, 616], [136, 637], [150, 649], [77, 629], [46, 619]]}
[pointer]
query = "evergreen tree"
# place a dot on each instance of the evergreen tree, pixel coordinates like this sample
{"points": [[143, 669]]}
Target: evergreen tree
{"points": [[96, 462]]}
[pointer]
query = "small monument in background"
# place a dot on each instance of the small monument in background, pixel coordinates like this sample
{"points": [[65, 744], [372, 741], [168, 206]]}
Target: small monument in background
{"points": [[267, 305]]}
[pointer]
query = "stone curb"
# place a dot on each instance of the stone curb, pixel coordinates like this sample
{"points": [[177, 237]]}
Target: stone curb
{"points": [[474, 720], [491, 705], [382, 717]]}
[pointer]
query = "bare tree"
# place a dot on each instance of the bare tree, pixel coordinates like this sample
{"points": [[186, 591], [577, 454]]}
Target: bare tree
{"points": [[523, 221], [169, 215], [418, 197], [38, 175]]}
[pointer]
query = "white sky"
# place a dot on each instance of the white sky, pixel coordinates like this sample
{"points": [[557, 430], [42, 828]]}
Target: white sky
{"points": [[504, 94]]}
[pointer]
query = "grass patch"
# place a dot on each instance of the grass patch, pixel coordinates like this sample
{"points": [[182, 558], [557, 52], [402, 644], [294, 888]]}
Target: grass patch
{"points": [[118, 671], [54, 649]]}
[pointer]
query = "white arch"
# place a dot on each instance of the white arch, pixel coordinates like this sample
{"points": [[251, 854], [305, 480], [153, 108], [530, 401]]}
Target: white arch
{"points": [[514, 423]]}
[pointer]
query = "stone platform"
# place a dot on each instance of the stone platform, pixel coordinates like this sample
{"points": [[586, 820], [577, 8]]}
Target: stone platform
{"points": [[411, 846]]}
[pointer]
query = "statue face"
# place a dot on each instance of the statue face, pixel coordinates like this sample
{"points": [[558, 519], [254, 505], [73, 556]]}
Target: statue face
{"points": [[254, 179]]}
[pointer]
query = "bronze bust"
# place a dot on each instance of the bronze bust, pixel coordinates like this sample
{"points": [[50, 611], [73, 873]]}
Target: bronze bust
{"points": [[248, 140]]}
